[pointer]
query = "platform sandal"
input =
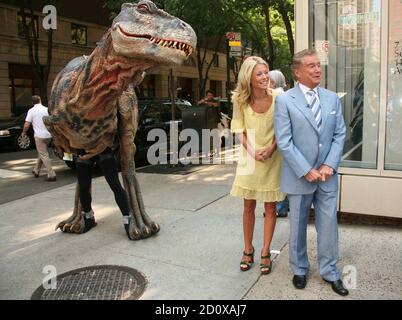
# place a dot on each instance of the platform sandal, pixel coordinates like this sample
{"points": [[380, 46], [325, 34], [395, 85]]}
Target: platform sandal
{"points": [[246, 265], [266, 268]]}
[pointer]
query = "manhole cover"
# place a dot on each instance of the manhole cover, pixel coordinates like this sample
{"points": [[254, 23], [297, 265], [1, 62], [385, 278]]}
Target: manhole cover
{"points": [[95, 283]]}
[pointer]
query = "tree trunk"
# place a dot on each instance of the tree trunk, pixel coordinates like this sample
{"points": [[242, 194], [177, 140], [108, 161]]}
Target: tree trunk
{"points": [[200, 64], [271, 57], [285, 17], [41, 73]]}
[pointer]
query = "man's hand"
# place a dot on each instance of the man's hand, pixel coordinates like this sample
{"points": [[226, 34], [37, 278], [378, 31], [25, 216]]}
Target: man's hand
{"points": [[313, 176], [325, 171]]}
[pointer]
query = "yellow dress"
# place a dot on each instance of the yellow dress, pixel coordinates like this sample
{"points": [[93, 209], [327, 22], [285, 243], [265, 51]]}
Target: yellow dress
{"points": [[255, 179]]}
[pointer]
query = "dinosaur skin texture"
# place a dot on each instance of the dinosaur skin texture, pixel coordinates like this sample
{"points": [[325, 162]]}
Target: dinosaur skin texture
{"points": [[93, 100]]}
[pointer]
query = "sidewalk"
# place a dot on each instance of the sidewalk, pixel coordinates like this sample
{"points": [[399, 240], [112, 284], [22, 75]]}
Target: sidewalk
{"points": [[196, 254]]}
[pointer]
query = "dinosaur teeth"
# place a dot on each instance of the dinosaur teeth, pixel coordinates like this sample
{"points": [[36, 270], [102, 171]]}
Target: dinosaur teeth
{"points": [[171, 44]]}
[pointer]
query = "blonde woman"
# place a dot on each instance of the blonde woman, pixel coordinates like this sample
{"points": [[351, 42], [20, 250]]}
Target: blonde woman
{"points": [[257, 174]]}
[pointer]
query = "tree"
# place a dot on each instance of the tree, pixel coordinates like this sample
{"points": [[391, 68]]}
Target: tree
{"points": [[286, 9], [30, 30], [210, 20], [268, 24]]}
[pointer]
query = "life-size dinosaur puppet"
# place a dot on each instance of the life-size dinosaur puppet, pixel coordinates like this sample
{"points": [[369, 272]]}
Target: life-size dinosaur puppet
{"points": [[93, 97]]}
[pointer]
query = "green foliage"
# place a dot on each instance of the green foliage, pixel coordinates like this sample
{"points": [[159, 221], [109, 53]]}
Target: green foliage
{"points": [[213, 18]]}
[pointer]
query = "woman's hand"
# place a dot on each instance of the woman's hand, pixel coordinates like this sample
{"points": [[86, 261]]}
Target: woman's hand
{"points": [[259, 157], [266, 153]]}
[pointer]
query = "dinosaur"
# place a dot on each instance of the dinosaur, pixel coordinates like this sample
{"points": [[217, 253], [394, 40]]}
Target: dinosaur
{"points": [[92, 100]]}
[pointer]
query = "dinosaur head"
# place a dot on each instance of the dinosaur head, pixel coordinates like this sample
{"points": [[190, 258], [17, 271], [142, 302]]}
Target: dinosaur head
{"points": [[143, 31]]}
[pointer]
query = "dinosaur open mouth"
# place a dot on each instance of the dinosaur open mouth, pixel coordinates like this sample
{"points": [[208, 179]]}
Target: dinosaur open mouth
{"points": [[173, 44]]}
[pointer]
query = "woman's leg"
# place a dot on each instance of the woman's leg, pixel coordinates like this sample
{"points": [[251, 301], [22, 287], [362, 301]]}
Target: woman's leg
{"points": [[248, 226], [269, 227]]}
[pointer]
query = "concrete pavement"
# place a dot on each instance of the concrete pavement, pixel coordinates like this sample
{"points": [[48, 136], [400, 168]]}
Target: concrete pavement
{"points": [[196, 254]]}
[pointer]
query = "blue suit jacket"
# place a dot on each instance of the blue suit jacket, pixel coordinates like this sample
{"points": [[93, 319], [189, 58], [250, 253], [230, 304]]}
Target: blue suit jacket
{"points": [[302, 146]]}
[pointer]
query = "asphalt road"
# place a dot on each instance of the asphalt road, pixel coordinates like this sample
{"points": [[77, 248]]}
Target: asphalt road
{"points": [[17, 181]]}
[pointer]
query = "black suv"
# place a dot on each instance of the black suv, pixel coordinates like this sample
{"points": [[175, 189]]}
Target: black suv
{"points": [[153, 113]]}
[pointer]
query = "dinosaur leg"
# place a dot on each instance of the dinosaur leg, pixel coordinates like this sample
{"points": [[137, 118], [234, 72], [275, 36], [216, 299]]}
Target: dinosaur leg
{"points": [[127, 108], [75, 223], [80, 221]]}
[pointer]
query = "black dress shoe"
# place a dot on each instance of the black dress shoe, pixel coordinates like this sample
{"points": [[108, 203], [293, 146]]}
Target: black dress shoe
{"points": [[282, 214], [338, 287], [36, 175], [299, 281]]}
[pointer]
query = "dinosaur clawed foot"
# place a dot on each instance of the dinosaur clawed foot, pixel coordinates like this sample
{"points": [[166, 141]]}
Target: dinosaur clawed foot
{"points": [[154, 227], [135, 233], [77, 223]]}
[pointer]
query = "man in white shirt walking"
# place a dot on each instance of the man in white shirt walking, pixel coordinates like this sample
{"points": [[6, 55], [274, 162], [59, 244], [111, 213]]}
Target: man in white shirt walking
{"points": [[42, 137]]}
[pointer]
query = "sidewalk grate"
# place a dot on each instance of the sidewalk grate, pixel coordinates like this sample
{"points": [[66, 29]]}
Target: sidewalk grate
{"points": [[104, 282]]}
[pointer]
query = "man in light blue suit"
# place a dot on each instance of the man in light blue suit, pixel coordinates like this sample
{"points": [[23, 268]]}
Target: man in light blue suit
{"points": [[310, 133]]}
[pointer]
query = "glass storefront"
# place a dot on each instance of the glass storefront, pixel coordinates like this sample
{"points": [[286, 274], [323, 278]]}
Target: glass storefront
{"points": [[359, 43], [347, 37], [393, 141]]}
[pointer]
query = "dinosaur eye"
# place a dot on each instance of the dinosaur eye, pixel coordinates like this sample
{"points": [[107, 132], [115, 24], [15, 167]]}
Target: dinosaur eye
{"points": [[143, 8]]}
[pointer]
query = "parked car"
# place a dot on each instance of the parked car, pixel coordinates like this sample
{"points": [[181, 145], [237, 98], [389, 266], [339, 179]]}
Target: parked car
{"points": [[10, 134], [153, 113]]}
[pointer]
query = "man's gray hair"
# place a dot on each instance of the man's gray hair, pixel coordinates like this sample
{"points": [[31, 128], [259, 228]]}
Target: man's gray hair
{"points": [[298, 57]]}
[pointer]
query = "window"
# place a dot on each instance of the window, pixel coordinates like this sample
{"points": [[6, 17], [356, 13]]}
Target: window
{"points": [[78, 34], [22, 87], [393, 138], [346, 35], [28, 20]]}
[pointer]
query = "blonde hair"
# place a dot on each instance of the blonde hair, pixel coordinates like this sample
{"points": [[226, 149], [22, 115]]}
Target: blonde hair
{"points": [[242, 94]]}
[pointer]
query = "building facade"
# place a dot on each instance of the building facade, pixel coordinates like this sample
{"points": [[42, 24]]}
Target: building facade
{"points": [[75, 36], [359, 43]]}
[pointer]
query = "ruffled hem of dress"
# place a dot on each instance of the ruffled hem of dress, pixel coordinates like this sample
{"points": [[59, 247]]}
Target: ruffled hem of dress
{"points": [[266, 196]]}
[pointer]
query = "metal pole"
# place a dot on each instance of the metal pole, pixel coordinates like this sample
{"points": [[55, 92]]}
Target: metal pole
{"points": [[228, 87]]}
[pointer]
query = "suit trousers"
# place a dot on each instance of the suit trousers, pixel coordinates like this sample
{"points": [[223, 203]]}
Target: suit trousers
{"points": [[326, 224], [43, 157]]}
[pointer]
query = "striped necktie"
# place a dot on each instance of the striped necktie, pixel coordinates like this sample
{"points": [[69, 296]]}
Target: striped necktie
{"points": [[315, 107]]}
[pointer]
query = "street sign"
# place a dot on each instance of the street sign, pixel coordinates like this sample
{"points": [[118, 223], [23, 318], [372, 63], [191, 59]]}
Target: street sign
{"points": [[234, 43], [233, 36], [235, 49], [235, 53]]}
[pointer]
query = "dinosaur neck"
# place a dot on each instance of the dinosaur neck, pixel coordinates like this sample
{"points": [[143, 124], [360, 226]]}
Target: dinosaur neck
{"points": [[107, 75]]}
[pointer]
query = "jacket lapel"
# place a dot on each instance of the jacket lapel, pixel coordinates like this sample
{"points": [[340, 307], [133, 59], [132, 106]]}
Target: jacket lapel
{"points": [[300, 103]]}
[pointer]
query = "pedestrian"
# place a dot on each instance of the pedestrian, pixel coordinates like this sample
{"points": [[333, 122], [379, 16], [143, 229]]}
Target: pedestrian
{"points": [[257, 173], [209, 99], [278, 83], [42, 137], [310, 132]]}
